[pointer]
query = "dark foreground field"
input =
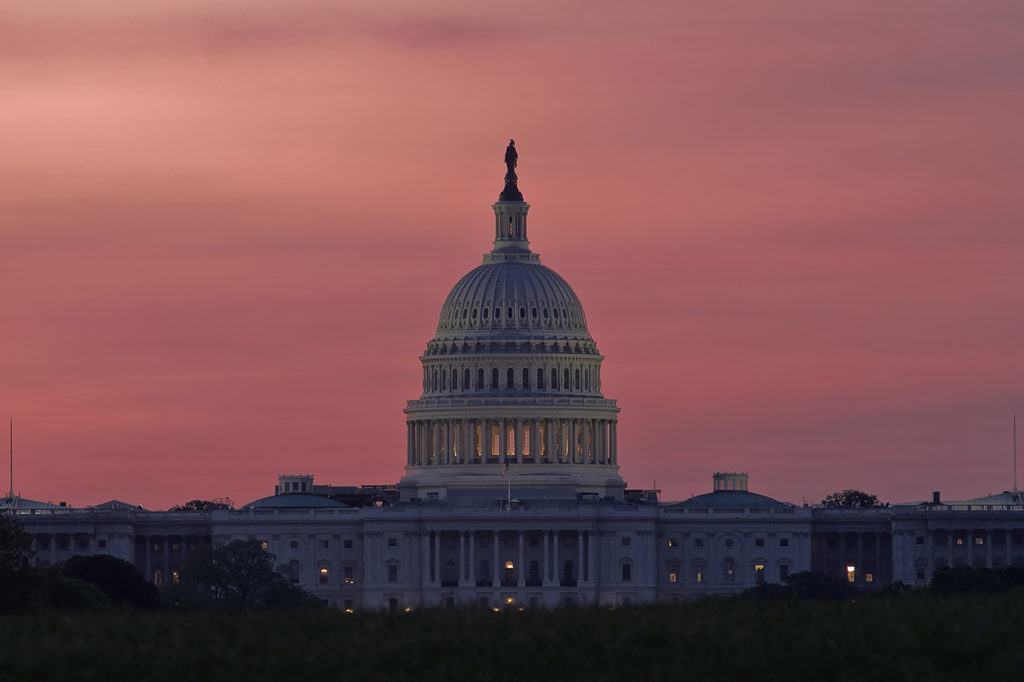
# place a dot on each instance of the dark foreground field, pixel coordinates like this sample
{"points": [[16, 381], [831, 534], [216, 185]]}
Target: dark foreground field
{"points": [[908, 637]]}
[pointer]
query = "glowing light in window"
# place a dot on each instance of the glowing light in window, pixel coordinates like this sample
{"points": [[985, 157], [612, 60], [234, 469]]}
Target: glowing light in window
{"points": [[851, 573]]}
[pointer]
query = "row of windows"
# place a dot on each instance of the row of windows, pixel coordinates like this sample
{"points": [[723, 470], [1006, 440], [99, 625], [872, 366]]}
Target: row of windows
{"points": [[443, 380], [501, 315], [729, 542]]}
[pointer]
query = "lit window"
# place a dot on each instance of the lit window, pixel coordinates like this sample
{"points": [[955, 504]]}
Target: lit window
{"points": [[673, 577], [959, 541], [350, 575], [263, 544], [869, 577], [979, 540], [759, 572], [700, 576], [672, 542], [783, 571], [510, 600], [175, 577], [851, 573], [509, 566], [323, 576]]}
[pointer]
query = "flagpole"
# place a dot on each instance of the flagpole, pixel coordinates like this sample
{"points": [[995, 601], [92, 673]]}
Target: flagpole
{"points": [[11, 493]]}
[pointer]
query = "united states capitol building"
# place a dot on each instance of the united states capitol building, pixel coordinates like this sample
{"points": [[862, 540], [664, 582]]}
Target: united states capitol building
{"points": [[512, 493]]}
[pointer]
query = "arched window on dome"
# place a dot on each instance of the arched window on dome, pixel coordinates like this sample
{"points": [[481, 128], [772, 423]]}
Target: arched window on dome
{"points": [[479, 379], [510, 379], [465, 380], [455, 379], [434, 385], [554, 379], [510, 313], [444, 380], [494, 379], [526, 378], [565, 377], [586, 379], [497, 313], [577, 380], [540, 379], [522, 312]]}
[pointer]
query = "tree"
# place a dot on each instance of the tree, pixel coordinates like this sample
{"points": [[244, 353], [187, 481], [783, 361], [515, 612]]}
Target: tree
{"points": [[15, 569], [116, 578], [238, 575], [851, 498], [203, 505]]}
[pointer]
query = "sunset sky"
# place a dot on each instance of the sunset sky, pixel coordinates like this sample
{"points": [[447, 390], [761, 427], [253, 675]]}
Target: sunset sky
{"points": [[227, 228]]}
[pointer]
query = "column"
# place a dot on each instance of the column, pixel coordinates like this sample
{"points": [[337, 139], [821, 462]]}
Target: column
{"points": [[555, 566], [502, 439], [860, 557], [545, 570], [435, 434], [521, 565], [495, 573], [450, 441], [425, 563], [988, 548], [572, 441], [437, 557], [590, 560], [462, 559], [612, 442], [579, 562], [519, 441], [472, 557]]}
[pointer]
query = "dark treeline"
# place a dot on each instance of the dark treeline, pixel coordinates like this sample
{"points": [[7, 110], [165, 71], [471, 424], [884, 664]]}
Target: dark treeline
{"points": [[237, 576]]}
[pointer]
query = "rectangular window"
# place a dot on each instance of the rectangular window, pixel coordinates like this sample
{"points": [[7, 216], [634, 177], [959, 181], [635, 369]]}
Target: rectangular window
{"points": [[759, 572], [323, 576], [175, 546], [324, 544], [392, 542], [348, 544], [783, 571], [783, 542], [869, 577], [350, 575], [263, 544], [979, 540], [959, 541], [672, 542], [102, 544], [673, 577], [627, 572], [758, 542], [626, 541], [392, 573], [700, 576], [698, 542], [920, 539], [157, 578]]}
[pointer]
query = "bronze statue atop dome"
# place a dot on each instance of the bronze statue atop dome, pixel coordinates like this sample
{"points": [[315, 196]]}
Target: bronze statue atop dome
{"points": [[511, 191]]}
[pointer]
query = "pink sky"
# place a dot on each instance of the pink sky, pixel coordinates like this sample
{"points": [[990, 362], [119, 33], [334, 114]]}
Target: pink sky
{"points": [[226, 231]]}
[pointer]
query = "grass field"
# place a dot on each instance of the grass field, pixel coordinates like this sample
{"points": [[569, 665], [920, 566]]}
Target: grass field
{"points": [[906, 637]]}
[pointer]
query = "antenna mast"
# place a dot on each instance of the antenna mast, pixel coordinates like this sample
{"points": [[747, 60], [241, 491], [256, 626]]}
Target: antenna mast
{"points": [[11, 493]]}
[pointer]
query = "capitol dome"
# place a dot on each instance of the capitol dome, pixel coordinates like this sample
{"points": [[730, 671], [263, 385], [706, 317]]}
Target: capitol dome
{"points": [[511, 382], [512, 297]]}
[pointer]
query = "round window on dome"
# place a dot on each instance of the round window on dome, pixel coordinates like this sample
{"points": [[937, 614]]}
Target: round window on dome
{"points": [[565, 315], [497, 313], [487, 312], [545, 313], [510, 313], [555, 311], [533, 313], [474, 313], [522, 313], [465, 313]]}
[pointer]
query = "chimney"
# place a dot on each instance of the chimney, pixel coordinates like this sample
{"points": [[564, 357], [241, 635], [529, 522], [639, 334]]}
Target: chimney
{"points": [[935, 497]]}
